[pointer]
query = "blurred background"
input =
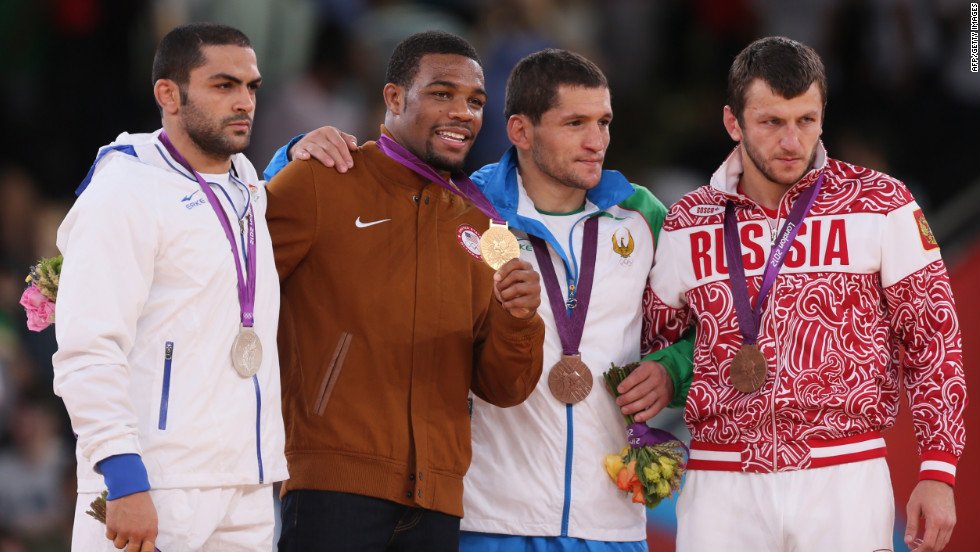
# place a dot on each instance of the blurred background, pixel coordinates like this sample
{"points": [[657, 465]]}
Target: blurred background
{"points": [[75, 73]]}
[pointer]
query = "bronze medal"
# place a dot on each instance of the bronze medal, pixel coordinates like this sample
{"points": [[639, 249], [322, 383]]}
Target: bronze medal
{"points": [[748, 369], [246, 353], [498, 245], [570, 379]]}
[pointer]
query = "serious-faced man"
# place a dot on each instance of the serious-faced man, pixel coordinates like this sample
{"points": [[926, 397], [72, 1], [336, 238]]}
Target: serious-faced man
{"points": [[806, 275], [168, 292]]}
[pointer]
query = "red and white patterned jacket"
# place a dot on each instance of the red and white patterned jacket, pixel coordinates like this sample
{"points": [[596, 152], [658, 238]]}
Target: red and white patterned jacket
{"points": [[863, 278]]}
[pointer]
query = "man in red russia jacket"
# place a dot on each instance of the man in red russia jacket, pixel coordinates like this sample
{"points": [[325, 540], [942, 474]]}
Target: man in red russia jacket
{"points": [[799, 323]]}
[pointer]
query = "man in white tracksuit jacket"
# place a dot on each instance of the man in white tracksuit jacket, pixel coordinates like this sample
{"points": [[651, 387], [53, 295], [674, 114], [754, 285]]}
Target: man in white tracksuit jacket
{"points": [[536, 481], [148, 311]]}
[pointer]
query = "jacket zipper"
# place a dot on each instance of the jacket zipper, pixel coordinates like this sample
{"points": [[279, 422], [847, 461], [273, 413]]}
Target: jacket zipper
{"points": [[258, 427], [168, 356], [775, 376], [569, 453]]}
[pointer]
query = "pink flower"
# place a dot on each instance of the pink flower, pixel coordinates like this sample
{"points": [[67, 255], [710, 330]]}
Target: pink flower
{"points": [[40, 309]]}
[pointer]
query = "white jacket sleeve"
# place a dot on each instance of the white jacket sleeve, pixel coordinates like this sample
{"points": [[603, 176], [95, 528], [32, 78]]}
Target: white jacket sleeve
{"points": [[109, 243]]}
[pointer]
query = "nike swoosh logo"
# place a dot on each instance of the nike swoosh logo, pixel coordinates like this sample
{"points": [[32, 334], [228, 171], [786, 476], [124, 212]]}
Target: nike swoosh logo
{"points": [[360, 224], [188, 197]]}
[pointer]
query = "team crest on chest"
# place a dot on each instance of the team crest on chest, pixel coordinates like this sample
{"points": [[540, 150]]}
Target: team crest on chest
{"points": [[622, 243], [925, 233], [469, 238]]}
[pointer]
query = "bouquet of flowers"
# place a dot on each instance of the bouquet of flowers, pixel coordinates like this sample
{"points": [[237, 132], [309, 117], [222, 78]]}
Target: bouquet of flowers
{"points": [[98, 510], [652, 466], [41, 293]]}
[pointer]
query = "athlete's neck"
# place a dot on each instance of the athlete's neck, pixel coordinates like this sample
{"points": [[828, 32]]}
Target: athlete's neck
{"points": [[765, 193], [394, 133], [549, 195], [200, 161], [757, 185]]}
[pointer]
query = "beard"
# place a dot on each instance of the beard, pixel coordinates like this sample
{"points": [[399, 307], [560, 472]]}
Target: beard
{"points": [[758, 159], [549, 166], [441, 162], [209, 136]]}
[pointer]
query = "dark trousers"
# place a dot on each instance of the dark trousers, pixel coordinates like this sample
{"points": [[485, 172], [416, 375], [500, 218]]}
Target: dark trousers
{"points": [[341, 522]]}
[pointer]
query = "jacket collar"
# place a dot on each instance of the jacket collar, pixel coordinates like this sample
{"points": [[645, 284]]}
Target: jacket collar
{"points": [[148, 149]]}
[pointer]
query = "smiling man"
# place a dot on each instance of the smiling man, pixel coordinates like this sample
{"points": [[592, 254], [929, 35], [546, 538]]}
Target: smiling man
{"points": [[808, 277], [390, 317], [167, 295]]}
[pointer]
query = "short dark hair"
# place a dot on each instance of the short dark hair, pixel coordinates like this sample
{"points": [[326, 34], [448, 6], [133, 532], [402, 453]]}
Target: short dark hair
{"points": [[403, 65], [180, 51], [787, 66], [532, 88]]}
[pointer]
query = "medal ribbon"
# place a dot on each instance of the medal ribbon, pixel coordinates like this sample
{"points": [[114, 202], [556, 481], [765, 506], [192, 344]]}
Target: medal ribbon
{"points": [[640, 435], [749, 317], [467, 189], [246, 286], [570, 325]]}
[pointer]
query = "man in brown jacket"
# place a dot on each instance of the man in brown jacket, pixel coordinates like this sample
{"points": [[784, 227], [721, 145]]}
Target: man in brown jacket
{"points": [[390, 316]]}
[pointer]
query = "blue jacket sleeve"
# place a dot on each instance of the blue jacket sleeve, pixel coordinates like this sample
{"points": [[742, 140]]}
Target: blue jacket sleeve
{"points": [[280, 159]]}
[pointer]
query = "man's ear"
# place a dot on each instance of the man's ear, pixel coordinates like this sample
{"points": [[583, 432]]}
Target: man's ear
{"points": [[167, 94], [731, 124], [520, 131], [394, 96]]}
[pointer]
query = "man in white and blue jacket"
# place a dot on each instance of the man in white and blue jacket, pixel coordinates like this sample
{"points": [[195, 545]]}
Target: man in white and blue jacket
{"points": [[536, 481], [167, 262]]}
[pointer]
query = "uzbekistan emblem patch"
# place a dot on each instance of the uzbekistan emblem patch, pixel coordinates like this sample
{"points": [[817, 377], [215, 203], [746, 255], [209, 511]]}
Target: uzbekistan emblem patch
{"points": [[469, 238], [925, 233], [622, 241]]}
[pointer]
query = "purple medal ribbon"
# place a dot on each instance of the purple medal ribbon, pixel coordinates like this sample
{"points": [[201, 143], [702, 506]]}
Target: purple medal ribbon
{"points": [[467, 189], [570, 326], [641, 435], [749, 317], [246, 286]]}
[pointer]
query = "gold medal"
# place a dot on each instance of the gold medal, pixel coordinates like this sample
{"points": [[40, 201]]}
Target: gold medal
{"points": [[748, 369], [570, 379], [498, 245], [246, 352]]}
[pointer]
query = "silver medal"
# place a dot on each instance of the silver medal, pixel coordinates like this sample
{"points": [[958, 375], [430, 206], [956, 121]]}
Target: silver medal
{"points": [[246, 353]]}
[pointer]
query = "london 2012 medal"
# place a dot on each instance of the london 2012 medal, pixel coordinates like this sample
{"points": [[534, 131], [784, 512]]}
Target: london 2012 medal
{"points": [[246, 352], [498, 245], [748, 369], [570, 379]]}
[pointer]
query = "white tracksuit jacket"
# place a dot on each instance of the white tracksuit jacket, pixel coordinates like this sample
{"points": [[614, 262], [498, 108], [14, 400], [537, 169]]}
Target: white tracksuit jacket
{"points": [[146, 314], [537, 467]]}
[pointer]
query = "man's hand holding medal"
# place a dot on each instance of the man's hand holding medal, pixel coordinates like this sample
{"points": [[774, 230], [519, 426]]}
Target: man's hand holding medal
{"points": [[515, 284]]}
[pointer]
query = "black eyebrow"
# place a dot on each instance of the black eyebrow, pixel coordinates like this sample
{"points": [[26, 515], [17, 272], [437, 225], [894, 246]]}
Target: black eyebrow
{"points": [[606, 115], [234, 79], [452, 85]]}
